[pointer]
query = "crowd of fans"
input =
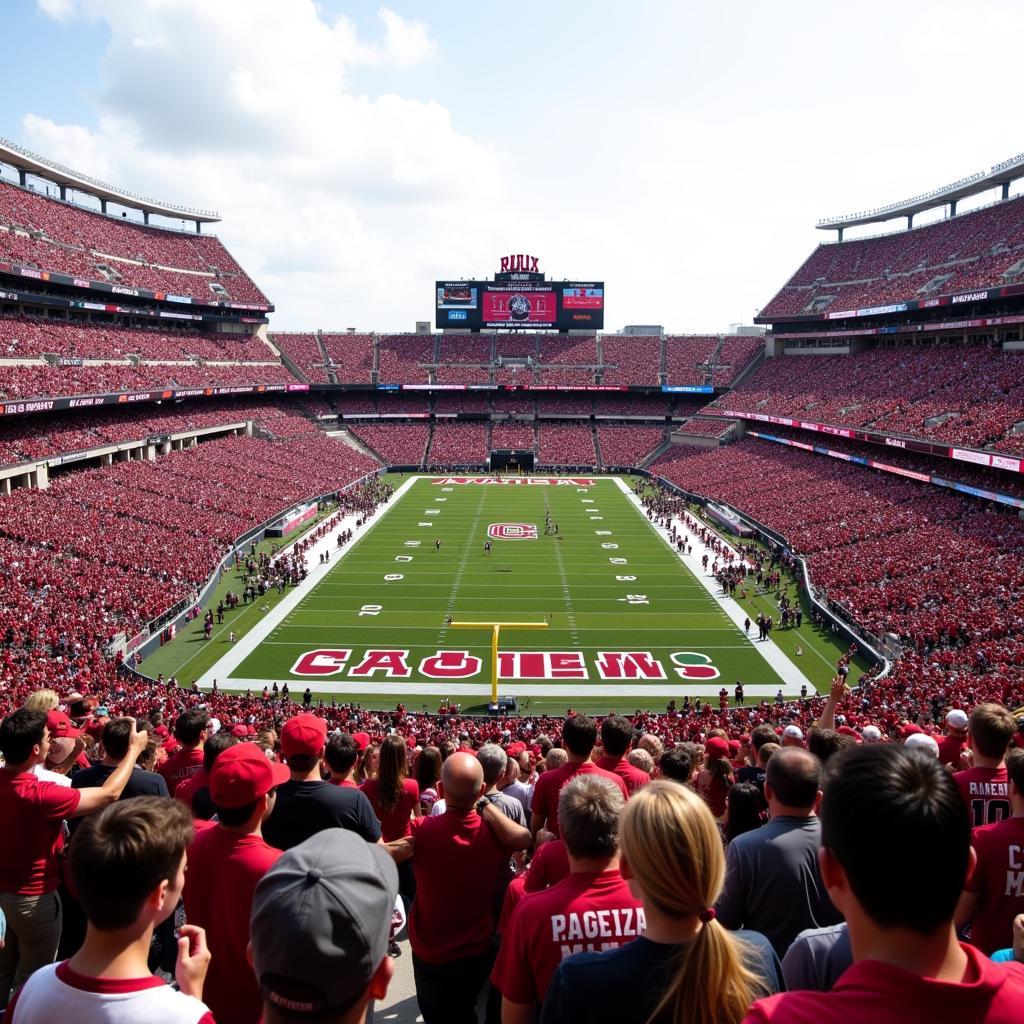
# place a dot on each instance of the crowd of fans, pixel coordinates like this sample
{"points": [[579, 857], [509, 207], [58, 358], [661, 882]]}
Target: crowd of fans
{"points": [[628, 446], [970, 251], [548, 869], [939, 572], [962, 394], [52, 235]]}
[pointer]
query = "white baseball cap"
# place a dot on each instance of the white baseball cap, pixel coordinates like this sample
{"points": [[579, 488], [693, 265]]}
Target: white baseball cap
{"points": [[793, 732], [957, 719], [871, 734], [922, 741]]}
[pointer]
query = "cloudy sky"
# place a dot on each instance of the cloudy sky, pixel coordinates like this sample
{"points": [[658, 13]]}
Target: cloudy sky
{"points": [[680, 151]]}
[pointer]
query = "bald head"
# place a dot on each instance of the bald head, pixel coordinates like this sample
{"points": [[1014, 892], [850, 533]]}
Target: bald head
{"points": [[462, 780]]}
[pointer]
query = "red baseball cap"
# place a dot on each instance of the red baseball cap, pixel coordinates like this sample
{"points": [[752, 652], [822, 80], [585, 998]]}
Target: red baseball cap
{"points": [[242, 774], [716, 748], [238, 731], [61, 727], [362, 739], [845, 730], [303, 734]]}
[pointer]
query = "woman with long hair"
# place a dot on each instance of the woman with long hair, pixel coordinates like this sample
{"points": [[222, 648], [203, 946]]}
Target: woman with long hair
{"points": [[686, 969], [368, 763], [426, 772], [394, 796], [715, 778], [746, 810]]}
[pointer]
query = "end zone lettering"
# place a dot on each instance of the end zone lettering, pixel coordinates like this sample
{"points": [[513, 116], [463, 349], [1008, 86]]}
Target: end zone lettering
{"points": [[394, 663], [518, 481]]}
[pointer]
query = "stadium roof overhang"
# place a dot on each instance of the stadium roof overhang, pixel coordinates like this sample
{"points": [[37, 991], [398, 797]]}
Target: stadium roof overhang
{"points": [[1000, 175], [32, 163]]}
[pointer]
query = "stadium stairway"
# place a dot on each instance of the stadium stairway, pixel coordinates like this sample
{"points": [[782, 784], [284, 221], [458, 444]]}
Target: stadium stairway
{"points": [[345, 436], [597, 445], [749, 369], [709, 377], [657, 453]]}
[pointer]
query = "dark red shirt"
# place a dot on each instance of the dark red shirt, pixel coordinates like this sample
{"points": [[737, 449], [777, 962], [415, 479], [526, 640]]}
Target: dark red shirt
{"points": [[178, 767], [223, 871], [460, 868], [987, 794], [549, 786], [587, 912], [31, 813], [633, 777], [396, 822], [998, 880], [871, 992]]}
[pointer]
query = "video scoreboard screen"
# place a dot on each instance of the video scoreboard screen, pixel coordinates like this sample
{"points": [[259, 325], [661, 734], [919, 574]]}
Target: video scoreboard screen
{"points": [[493, 305]]}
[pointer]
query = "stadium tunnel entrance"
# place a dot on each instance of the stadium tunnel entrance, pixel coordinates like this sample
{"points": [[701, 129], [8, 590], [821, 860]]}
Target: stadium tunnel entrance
{"points": [[512, 460]]}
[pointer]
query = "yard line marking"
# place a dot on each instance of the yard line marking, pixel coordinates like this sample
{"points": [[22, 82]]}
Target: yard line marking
{"points": [[462, 567]]}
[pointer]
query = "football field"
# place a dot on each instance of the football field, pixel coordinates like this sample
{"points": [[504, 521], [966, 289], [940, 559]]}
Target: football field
{"points": [[628, 623]]}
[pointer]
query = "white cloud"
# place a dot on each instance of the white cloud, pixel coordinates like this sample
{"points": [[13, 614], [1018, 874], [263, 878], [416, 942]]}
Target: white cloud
{"points": [[331, 199]]}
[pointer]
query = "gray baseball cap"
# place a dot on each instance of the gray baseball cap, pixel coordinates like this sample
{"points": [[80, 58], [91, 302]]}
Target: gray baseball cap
{"points": [[320, 922]]}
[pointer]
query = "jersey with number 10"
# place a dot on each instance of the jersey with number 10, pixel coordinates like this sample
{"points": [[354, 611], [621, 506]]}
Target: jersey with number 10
{"points": [[987, 794]]}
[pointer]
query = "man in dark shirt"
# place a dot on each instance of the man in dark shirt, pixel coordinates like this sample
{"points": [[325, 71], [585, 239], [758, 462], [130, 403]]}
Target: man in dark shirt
{"points": [[306, 804], [755, 773], [773, 883], [115, 740]]}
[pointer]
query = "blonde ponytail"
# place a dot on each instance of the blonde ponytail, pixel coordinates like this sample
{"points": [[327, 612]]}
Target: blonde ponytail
{"points": [[673, 847]]}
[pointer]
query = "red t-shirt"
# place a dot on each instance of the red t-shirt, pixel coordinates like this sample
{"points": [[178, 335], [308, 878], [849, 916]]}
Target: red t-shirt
{"points": [[394, 824], [987, 794], [187, 787], [178, 767], [513, 897], [223, 870], [714, 791], [951, 746], [460, 868], [585, 913], [549, 785], [549, 866], [999, 882], [633, 777], [878, 993], [31, 813]]}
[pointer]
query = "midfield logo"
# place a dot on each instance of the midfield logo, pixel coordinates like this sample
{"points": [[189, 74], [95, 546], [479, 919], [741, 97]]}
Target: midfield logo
{"points": [[512, 531]]}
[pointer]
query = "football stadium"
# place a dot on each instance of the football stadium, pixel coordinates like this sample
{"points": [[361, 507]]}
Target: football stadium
{"points": [[514, 663]]}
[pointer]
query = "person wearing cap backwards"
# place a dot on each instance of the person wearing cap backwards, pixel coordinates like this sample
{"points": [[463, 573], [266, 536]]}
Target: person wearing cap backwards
{"points": [[898, 898], [459, 859], [306, 804], [954, 743], [226, 861], [31, 836], [321, 918], [772, 882]]}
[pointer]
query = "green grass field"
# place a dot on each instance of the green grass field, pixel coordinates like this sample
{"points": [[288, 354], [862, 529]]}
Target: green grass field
{"points": [[633, 625]]}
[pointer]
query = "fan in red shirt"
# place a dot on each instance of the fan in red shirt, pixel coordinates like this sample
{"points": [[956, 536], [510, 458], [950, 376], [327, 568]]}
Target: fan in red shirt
{"points": [[899, 898], [954, 743], [31, 836], [984, 787], [226, 861], [589, 911], [460, 859], [616, 738], [190, 730], [579, 734], [395, 798], [188, 788], [994, 894]]}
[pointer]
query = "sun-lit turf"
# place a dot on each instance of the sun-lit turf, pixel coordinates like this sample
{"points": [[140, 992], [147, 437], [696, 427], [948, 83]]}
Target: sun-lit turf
{"points": [[570, 580]]}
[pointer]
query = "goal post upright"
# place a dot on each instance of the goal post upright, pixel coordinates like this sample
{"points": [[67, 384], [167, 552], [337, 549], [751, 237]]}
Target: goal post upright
{"points": [[496, 628]]}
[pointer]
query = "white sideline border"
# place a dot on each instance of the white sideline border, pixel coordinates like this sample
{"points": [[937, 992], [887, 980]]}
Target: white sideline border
{"points": [[221, 670], [792, 678]]}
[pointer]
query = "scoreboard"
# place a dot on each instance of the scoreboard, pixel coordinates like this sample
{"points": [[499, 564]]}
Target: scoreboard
{"points": [[533, 304]]}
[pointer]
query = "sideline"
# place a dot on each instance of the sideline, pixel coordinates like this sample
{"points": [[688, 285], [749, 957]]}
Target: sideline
{"points": [[790, 675], [222, 668]]}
